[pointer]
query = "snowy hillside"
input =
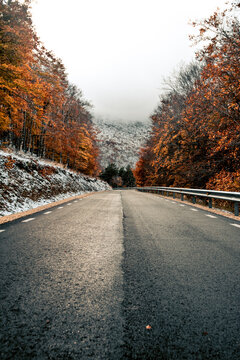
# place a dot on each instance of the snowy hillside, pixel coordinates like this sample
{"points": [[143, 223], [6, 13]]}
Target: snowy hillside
{"points": [[26, 183], [120, 142]]}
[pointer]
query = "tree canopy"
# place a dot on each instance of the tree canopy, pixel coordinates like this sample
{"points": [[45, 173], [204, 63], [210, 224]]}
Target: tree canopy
{"points": [[115, 177], [40, 111], [195, 138]]}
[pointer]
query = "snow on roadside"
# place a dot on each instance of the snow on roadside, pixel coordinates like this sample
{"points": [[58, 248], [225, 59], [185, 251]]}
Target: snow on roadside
{"points": [[27, 182]]}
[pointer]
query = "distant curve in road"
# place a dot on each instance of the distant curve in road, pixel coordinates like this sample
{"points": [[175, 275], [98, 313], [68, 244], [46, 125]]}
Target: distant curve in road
{"points": [[120, 275]]}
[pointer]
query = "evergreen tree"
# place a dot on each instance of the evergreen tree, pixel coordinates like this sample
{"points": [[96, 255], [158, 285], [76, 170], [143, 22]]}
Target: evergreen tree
{"points": [[118, 177], [109, 173], [128, 177], [121, 172]]}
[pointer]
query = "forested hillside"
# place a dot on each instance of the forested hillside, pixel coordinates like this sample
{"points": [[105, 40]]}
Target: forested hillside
{"points": [[195, 139], [40, 111], [120, 142], [196, 125]]}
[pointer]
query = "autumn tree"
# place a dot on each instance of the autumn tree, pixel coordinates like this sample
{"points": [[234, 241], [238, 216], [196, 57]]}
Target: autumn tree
{"points": [[16, 54], [195, 140], [40, 112], [221, 90]]}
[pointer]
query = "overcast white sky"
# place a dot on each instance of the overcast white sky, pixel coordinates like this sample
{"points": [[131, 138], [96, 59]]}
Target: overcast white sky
{"points": [[118, 51]]}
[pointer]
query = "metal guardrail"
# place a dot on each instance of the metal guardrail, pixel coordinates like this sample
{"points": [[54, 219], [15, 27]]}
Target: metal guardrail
{"points": [[208, 194]]}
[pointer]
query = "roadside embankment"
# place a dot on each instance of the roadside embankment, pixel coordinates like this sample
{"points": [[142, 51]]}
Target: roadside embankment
{"points": [[27, 182]]}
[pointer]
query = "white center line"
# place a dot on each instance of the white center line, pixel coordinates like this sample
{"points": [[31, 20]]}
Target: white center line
{"points": [[193, 209], [27, 220], [237, 225], [48, 212], [212, 216], [60, 207], [2, 231]]}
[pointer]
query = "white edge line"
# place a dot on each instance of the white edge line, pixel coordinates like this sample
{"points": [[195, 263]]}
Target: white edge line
{"points": [[60, 207], [27, 220], [211, 216], [48, 212], [237, 225], [2, 231], [193, 209]]}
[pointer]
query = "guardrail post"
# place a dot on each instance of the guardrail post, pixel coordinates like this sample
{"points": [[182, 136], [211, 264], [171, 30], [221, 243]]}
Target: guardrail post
{"points": [[210, 203], [236, 209], [208, 195]]}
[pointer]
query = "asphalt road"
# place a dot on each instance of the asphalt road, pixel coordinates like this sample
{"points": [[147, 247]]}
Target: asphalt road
{"points": [[84, 280]]}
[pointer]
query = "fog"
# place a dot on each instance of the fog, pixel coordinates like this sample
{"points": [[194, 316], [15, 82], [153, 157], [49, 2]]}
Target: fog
{"points": [[118, 51]]}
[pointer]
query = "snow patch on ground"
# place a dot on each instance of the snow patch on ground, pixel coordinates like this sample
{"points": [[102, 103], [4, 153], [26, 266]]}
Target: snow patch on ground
{"points": [[27, 182], [120, 142]]}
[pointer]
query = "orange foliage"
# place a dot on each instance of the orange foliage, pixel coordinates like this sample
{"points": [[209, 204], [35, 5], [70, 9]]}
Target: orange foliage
{"points": [[196, 127], [40, 111]]}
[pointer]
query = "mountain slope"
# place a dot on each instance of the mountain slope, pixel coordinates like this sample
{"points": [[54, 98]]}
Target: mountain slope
{"points": [[120, 142]]}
